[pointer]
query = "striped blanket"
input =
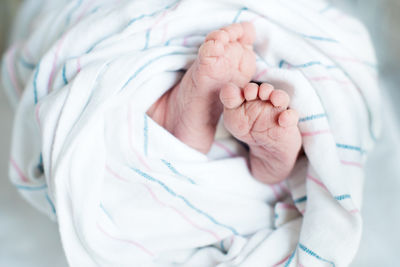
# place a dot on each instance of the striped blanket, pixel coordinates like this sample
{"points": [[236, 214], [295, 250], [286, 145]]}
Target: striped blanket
{"points": [[81, 75]]}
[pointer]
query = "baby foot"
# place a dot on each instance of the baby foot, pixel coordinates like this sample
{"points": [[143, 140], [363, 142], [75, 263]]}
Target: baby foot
{"points": [[226, 56], [191, 110], [258, 116]]}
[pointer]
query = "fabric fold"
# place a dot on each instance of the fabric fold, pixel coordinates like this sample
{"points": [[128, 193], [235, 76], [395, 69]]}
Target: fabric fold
{"points": [[125, 191]]}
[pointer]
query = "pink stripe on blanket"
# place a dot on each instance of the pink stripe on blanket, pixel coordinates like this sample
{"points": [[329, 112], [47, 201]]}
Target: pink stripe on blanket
{"points": [[59, 46], [327, 78], [185, 40], [165, 25], [84, 10], [53, 68], [19, 171], [315, 133], [258, 76], [282, 261], [11, 70], [287, 206], [156, 199], [318, 182], [226, 149], [354, 211], [350, 163], [37, 109], [116, 175], [276, 194], [131, 242], [349, 59], [187, 219], [78, 65], [283, 187]]}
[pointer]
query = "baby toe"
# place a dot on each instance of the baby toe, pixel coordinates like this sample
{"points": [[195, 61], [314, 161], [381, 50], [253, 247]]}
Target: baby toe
{"points": [[265, 91], [279, 98], [250, 91], [231, 96], [288, 118]]}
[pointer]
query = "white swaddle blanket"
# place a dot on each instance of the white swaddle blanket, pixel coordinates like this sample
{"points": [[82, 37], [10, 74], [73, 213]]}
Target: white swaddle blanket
{"points": [[125, 192]]}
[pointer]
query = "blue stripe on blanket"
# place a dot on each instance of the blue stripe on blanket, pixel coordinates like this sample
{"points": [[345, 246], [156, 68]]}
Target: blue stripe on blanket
{"points": [[154, 13], [350, 147], [147, 64], [106, 212], [331, 67], [63, 74], [53, 208], [222, 245], [301, 199], [312, 63], [319, 38], [258, 59], [26, 64], [133, 21], [35, 91], [169, 165], [96, 43], [328, 7], [30, 188], [290, 258], [313, 254], [39, 166], [306, 36], [312, 117], [187, 202], [342, 197], [147, 39], [306, 65], [238, 14], [68, 20]]}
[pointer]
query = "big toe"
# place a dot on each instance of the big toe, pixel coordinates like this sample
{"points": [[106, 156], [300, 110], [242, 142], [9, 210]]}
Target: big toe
{"points": [[210, 50], [234, 31], [288, 118], [218, 35]]}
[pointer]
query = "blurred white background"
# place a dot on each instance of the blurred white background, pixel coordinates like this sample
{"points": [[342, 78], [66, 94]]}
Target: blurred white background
{"points": [[27, 238]]}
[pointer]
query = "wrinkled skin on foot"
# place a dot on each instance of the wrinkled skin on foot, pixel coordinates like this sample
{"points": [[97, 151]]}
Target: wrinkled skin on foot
{"points": [[191, 110], [218, 82], [258, 116]]}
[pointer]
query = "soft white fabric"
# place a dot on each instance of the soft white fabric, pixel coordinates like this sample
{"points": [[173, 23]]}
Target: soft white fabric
{"points": [[126, 192]]}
